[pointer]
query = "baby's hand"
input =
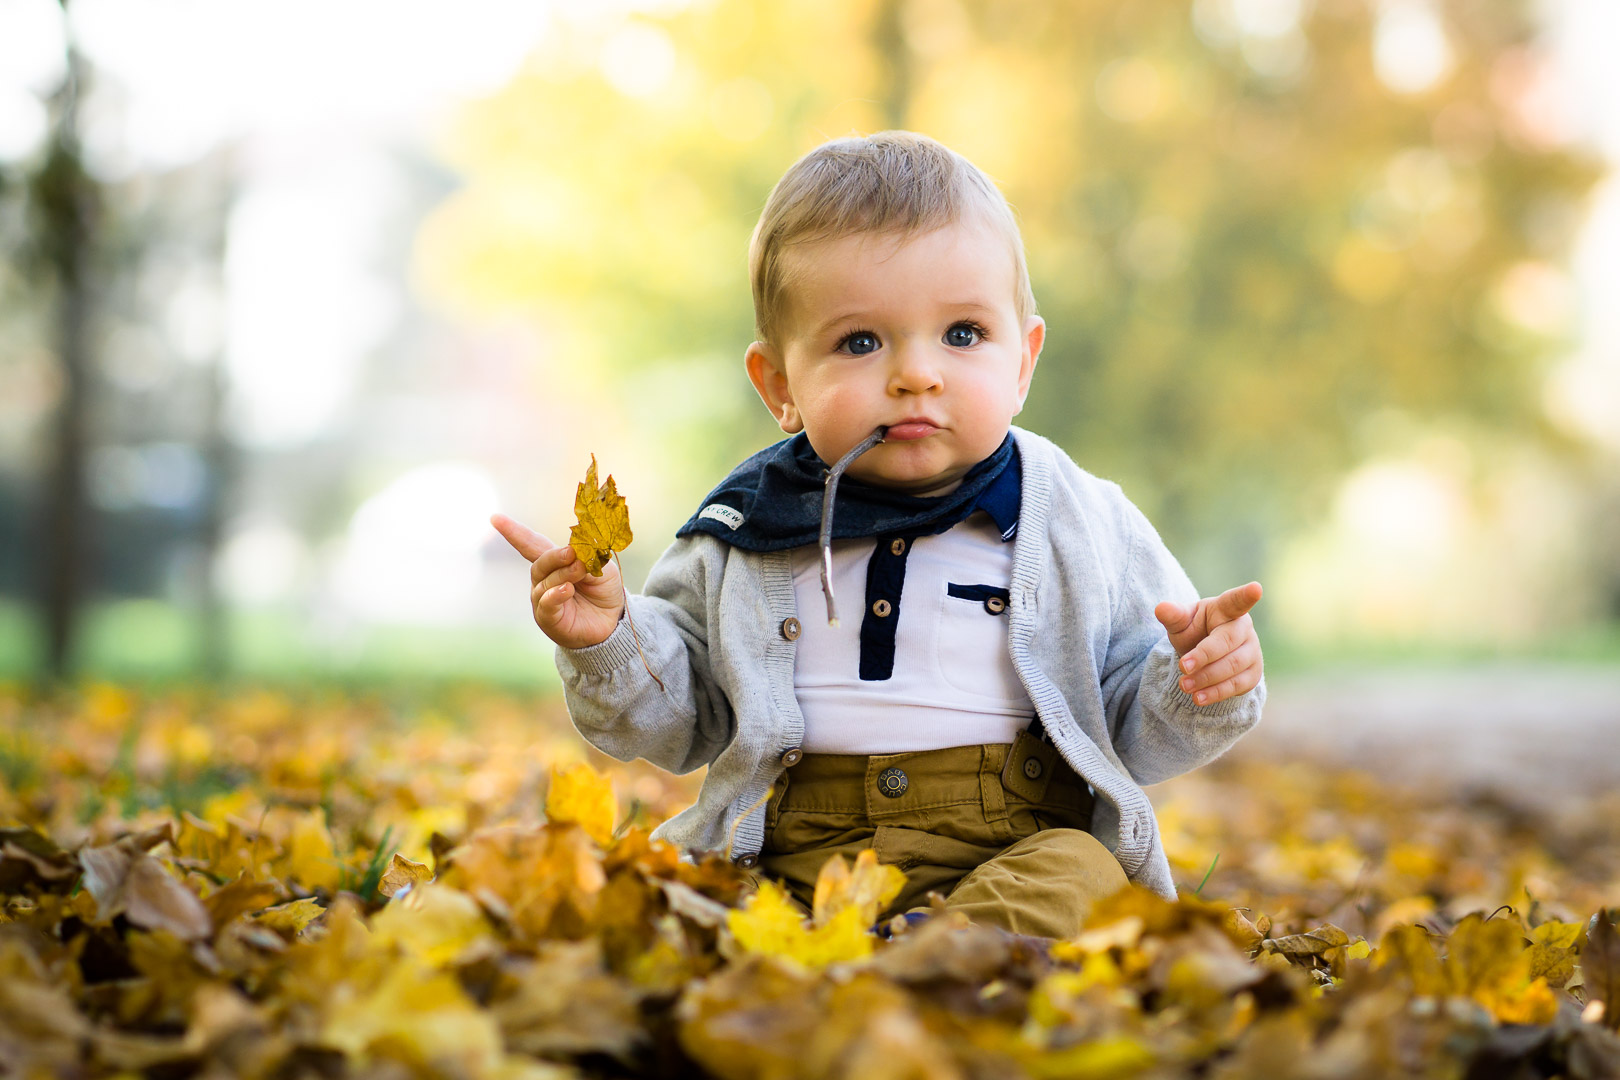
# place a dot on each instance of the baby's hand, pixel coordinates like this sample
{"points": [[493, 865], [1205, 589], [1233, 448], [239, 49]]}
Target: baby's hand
{"points": [[572, 607], [1215, 639]]}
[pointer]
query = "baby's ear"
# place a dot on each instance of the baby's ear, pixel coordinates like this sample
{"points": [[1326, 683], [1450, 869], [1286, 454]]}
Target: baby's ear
{"points": [[765, 371]]}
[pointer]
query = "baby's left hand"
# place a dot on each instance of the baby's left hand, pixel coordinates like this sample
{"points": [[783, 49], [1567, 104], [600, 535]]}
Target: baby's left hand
{"points": [[1215, 639]]}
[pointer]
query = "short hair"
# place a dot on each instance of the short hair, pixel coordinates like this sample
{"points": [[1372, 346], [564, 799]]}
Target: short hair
{"points": [[891, 181]]}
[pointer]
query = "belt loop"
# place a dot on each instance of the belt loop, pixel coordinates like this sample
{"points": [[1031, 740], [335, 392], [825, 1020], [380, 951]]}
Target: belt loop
{"points": [[990, 792]]}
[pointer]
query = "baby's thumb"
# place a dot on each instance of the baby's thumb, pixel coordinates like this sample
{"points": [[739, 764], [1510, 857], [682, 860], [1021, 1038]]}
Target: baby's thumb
{"points": [[1176, 618]]}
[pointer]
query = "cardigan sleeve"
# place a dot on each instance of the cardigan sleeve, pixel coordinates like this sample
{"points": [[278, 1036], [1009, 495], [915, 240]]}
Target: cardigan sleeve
{"points": [[616, 704], [1156, 728]]}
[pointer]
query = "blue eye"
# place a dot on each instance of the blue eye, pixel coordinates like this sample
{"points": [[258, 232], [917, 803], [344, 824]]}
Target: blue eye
{"points": [[962, 335], [861, 342]]}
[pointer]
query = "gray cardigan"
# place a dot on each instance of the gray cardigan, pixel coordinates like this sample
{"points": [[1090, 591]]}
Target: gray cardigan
{"points": [[1088, 569]]}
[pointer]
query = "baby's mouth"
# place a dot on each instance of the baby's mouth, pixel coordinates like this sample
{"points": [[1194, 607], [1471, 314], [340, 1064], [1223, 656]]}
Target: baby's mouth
{"points": [[907, 430]]}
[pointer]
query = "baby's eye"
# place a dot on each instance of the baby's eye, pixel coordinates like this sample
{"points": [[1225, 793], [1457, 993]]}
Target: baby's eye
{"points": [[962, 335], [861, 342]]}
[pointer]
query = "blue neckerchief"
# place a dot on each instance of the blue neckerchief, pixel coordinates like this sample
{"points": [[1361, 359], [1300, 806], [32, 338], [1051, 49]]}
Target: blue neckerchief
{"points": [[772, 501]]}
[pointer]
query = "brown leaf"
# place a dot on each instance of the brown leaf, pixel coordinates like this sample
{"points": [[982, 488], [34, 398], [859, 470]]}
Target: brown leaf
{"points": [[1300, 947], [240, 897], [401, 874], [30, 860], [604, 522], [124, 879], [566, 1004], [1600, 967]]}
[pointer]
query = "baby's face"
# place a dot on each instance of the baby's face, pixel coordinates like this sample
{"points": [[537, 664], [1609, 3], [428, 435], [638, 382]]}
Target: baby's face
{"points": [[921, 336]]}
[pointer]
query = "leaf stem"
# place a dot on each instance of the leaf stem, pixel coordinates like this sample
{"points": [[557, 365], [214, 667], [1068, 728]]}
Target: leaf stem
{"points": [[1199, 892]]}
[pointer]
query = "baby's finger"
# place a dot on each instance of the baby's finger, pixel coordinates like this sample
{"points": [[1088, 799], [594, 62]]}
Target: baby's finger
{"points": [[1216, 644], [1235, 603], [549, 562], [529, 544], [1245, 655], [1241, 683], [548, 602], [571, 574]]}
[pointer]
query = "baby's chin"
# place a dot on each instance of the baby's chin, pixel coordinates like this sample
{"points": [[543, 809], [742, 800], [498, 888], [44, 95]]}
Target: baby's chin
{"points": [[921, 486]]}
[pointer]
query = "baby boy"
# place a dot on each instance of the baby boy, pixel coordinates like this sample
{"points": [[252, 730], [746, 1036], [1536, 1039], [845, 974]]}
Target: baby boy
{"points": [[1021, 652]]}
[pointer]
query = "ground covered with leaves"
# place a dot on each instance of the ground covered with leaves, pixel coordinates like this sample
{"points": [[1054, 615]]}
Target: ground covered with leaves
{"points": [[271, 885]]}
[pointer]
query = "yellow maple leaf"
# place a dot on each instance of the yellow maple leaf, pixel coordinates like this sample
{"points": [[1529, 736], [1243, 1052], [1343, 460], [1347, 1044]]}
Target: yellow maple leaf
{"points": [[581, 795], [867, 888], [290, 918], [604, 522], [769, 924]]}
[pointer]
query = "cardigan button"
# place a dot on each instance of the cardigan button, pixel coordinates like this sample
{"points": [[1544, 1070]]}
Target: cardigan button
{"points": [[790, 628], [995, 605], [881, 608], [746, 861], [792, 756], [897, 547]]}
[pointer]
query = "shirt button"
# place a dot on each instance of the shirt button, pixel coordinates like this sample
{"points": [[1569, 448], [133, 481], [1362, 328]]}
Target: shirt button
{"points": [[745, 861], [898, 547], [995, 605], [791, 756], [1032, 768], [881, 609], [790, 629], [892, 782]]}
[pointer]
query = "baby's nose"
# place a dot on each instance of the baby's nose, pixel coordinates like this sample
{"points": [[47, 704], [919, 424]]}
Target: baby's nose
{"points": [[914, 369]]}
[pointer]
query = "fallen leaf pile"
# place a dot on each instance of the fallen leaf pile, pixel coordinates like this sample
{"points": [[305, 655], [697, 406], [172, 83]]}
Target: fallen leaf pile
{"points": [[200, 884]]}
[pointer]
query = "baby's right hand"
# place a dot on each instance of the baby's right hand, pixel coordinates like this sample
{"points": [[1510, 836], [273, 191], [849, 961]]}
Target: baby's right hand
{"points": [[572, 607]]}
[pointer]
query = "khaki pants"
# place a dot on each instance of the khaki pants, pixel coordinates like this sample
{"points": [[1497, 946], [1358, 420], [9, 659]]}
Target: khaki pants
{"points": [[997, 830]]}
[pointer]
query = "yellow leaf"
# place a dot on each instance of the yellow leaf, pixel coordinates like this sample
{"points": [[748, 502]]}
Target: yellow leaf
{"points": [[1562, 935], [402, 1012], [868, 888], [291, 917], [604, 522], [434, 922], [770, 924], [1531, 1004], [583, 796], [311, 859], [1098, 1059]]}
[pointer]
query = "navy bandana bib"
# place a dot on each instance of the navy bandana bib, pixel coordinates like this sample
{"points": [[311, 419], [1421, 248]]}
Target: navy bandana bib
{"points": [[772, 501]]}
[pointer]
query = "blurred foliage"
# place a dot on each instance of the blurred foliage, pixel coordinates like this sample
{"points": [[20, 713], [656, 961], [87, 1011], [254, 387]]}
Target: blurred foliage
{"points": [[266, 885], [1244, 243]]}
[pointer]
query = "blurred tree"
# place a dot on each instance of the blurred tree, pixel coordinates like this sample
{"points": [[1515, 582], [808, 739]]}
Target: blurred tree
{"points": [[64, 200], [1251, 227]]}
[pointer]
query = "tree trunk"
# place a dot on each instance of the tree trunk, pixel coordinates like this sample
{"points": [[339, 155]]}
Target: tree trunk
{"points": [[65, 201]]}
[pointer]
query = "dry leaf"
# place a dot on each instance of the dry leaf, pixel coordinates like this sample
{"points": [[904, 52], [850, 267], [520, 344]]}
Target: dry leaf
{"points": [[402, 874], [604, 522], [581, 795]]}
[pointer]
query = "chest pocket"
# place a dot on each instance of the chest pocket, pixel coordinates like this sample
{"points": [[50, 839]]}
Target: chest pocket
{"points": [[971, 637]]}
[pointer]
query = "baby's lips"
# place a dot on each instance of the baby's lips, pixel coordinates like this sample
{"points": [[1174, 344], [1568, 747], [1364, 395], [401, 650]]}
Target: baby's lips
{"points": [[909, 430]]}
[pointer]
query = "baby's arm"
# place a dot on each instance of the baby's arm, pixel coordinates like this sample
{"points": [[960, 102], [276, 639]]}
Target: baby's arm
{"points": [[1158, 730], [612, 699]]}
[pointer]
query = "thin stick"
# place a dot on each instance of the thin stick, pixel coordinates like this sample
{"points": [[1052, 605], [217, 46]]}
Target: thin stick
{"points": [[631, 619], [827, 494]]}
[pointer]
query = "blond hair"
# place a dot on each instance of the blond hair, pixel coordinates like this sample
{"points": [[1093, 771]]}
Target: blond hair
{"points": [[892, 181]]}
